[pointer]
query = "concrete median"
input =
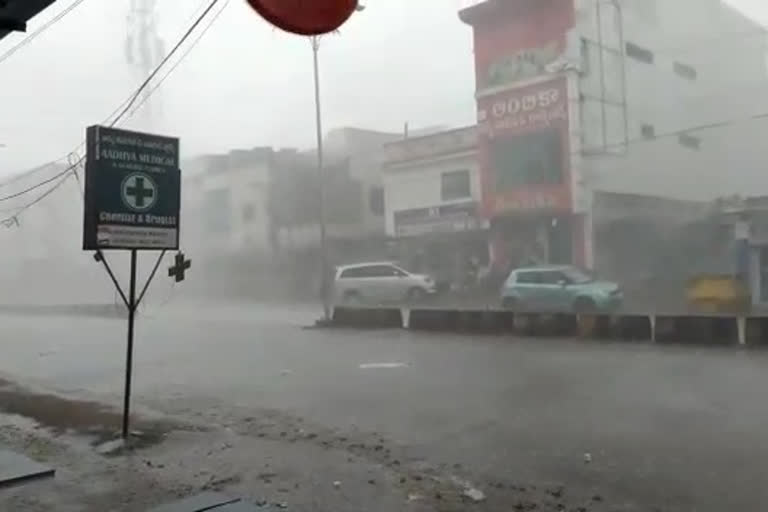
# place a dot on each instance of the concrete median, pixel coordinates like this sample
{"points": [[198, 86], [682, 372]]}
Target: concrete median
{"points": [[368, 318], [717, 330]]}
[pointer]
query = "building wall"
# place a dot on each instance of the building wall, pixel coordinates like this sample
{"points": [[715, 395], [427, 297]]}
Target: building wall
{"points": [[225, 204], [418, 185], [632, 108], [413, 172], [720, 78]]}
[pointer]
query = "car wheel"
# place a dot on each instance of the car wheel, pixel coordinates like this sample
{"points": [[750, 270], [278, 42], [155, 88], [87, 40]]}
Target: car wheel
{"points": [[416, 294], [584, 305], [352, 298]]}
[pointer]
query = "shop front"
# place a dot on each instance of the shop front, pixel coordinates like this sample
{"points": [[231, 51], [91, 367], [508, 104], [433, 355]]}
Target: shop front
{"points": [[525, 174], [448, 241]]}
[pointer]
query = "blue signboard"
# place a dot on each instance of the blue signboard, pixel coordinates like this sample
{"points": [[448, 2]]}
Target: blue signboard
{"points": [[132, 190]]}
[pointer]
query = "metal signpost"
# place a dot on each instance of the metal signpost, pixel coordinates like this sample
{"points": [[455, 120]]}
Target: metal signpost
{"points": [[132, 202]]}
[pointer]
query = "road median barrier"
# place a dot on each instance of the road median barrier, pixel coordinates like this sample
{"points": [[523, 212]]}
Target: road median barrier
{"points": [[755, 331], [697, 329], [370, 318], [692, 328]]}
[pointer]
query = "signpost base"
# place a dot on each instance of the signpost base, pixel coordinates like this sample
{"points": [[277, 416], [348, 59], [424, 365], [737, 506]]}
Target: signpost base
{"points": [[131, 301]]}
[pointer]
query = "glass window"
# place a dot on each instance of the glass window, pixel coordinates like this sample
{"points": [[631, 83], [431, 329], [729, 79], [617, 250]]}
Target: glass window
{"points": [[689, 141], [455, 185], [381, 271], [527, 277], [551, 277], [530, 159], [350, 273], [685, 71], [639, 53], [648, 131], [576, 276]]}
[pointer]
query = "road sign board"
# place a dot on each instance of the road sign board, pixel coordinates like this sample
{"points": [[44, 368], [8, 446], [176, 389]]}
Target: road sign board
{"points": [[132, 190]]}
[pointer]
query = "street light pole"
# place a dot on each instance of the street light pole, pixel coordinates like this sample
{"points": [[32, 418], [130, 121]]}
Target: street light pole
{"points": [[324, 284]]}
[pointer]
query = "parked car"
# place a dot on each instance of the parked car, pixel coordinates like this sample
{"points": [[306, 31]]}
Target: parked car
{"points": [[380, 282], [562, 288]]}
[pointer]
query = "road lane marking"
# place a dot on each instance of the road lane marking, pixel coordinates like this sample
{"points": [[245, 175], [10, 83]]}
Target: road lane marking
{"points": [[367, 366]]}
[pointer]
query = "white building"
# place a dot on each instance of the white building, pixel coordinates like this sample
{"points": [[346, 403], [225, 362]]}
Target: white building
{"points": [[224, 202], [432, 184], [672, 95]]}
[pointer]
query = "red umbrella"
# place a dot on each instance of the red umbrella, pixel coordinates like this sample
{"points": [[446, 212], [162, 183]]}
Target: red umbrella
{"points": [[305, 17]]}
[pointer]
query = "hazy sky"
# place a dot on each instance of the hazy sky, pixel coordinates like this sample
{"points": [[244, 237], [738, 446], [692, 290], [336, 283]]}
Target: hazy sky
{"points": [[245, 84]]}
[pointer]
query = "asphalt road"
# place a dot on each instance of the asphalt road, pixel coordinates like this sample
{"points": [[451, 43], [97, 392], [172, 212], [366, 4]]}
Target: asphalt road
{"points": [[666, 428]]}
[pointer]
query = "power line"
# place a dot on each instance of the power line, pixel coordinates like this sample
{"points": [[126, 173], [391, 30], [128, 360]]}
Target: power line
{"points": [[168, 56], [37, 185], [123, 110], [45, 26]]}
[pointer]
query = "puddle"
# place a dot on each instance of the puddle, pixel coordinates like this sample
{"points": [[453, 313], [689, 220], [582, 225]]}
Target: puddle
{"points": [[62, 416]]}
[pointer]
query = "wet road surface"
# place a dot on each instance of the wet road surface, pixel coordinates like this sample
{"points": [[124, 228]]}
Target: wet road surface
{"points": [[666, 428]]}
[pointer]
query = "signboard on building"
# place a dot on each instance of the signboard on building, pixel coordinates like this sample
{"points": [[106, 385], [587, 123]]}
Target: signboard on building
{"points": [[524, 149], [448, 218], [519, 40], [132, 190]]}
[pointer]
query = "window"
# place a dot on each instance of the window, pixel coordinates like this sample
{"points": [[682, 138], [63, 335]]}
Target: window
{"points": [[376, 201], [585, 63], [530, 159], [576, 276], [351, 273], [639, 53], [454, 185], [372, 271], [551, 277], [689, 141], [381, 271], [528, 277], [648, 131], [685, 71]]}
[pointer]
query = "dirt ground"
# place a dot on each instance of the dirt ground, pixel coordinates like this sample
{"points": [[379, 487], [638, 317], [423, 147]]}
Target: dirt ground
{"points": [[270, 459]]}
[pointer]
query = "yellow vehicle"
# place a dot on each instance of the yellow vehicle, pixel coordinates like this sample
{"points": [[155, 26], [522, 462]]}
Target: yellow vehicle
{"points": [[717, 293]]}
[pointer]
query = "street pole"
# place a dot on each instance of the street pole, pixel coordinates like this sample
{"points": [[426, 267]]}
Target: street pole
{"points": [[129, 346], [324, 285]]}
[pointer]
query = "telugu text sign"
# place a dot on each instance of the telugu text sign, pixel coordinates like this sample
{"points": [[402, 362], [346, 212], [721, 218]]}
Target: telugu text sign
{"points": [[132, 190], [525, 109]]}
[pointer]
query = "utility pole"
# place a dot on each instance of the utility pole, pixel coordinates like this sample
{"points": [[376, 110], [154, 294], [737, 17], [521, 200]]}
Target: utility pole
{"points": [[325, 285], [324, 277]]}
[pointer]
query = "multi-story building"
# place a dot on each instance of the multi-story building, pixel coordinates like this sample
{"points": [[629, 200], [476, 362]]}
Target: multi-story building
{"points": [[628, 96], [262, 200]]}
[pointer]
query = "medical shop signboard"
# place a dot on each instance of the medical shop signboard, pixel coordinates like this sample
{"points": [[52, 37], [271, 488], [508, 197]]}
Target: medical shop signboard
{"points": [[523, 143], [132, 190]]}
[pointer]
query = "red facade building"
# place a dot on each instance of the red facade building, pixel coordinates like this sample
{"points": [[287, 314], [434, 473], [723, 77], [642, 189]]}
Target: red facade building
{"points": [[525, 100]]}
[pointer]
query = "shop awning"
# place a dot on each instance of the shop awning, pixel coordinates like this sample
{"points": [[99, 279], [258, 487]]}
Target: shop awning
{"points": [[14, 14]]}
